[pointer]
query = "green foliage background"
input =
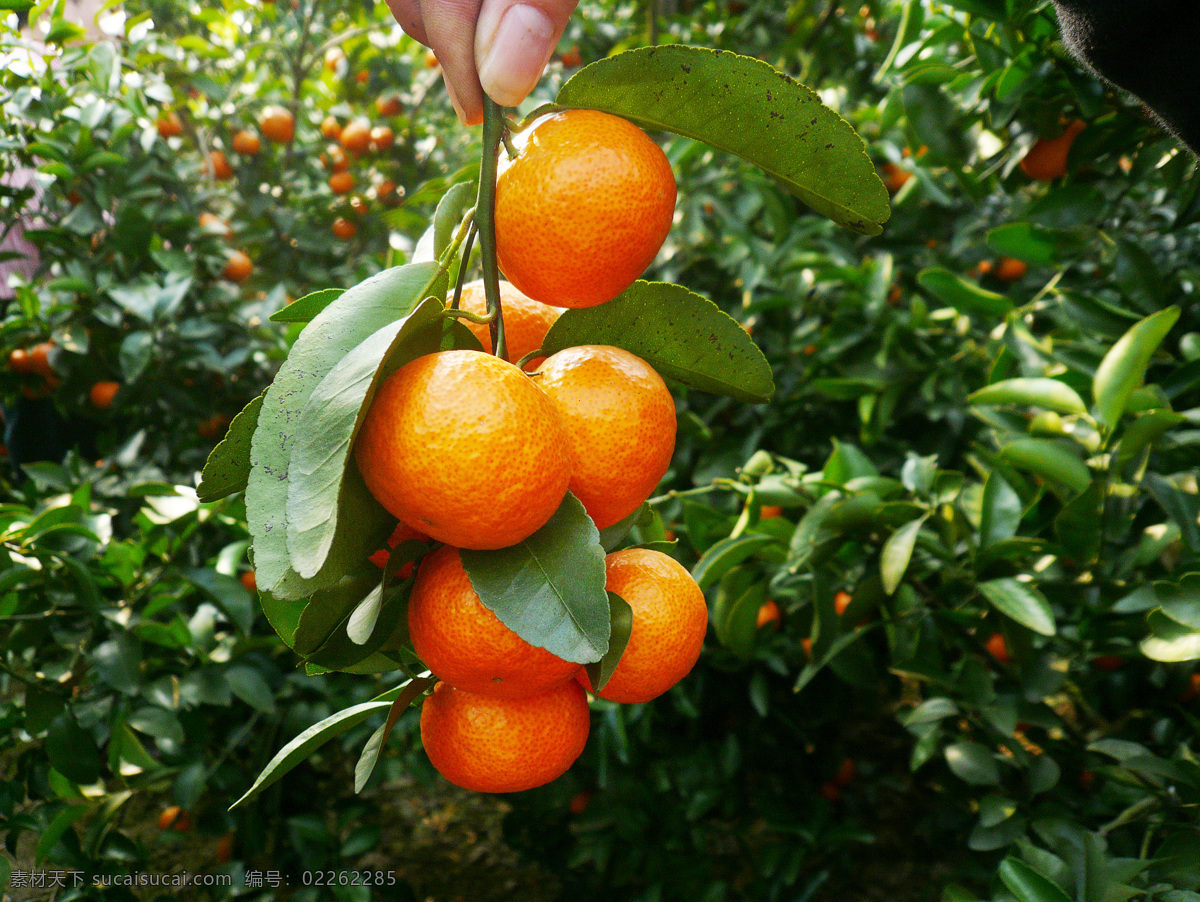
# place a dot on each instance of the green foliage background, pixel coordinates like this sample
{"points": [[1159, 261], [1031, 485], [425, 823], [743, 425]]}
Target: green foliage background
{"points": [[137, 672]]}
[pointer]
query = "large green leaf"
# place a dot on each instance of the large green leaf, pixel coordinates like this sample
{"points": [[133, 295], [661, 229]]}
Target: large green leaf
{"points": [[1051, 394], [1171, 641], [305, 309], [330, 422], [1022, 602], [727, 554], [1124, 366], [896, 554], [549, 589], [1050, 460], [228, 466], [744, 106], [963, 296], [1001, 511], [1028, 885], [973, 763], [620, 616], [336, 331], [687, 338], [373, 750]]}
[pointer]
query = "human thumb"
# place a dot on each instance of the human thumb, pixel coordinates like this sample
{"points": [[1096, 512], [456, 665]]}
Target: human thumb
{"points": [[513, 43]]}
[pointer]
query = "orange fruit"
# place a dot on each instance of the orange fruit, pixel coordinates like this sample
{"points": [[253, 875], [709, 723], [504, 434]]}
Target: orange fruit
{"points": [[334, 57], [997, 648], [382, 138], [388, 105], [101, 394], [225, 848], [214, 426], [219, 166], [465, 644], [1193, 688], [769, 613], [580, 801], [620, 421], [345, 229], [489, 744], [806, 644], [582, 208], [431, 60], [1047, 159], [669, 620], [249, 581], [362, 77], [330, 128], [335, 159], [39, 359], [341, 183], [401, 533], [841, 601], [895, 177], [246, 142], [526, 321], [169, 125], [1010, 270], [356, 136], [845, 773], [358, 205], [770, 512], [173, 817], [238, 267], [983, 267], [464, 447], [212, 223], [386, 192], [572, 58], [20, 362], [277, 124]]}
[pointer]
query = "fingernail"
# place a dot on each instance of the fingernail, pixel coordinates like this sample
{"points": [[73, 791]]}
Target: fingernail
{"points": [[462, 117], [515, 54]]}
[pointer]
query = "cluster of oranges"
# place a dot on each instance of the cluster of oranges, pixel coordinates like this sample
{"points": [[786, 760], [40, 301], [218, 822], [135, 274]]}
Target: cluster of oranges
{"points": [[36, 362], [466, 449], [349, 142]]}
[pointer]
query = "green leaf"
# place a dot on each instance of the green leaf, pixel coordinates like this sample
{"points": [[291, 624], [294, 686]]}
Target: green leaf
{"points": [[727, 554], [17, 6], [248, 685], [1182, 508], [326, 614], [335, 332], [1036, 245], [685, 337], [373, 750], [330, 422], [897, 552], [931, 711], [1001, 511], [228, 466], [735, 612], [1077, 526], [1143, 432], [1048, 393], [846, 463], [972, 763], [1124, 366], [1029, 885], [620, 618], [1181, 601], [449, 213], [227, 593], [549, 589], [72, 750], [963, 296], [305, 309], [744, 106], [56, 828], [1172, 641], [1022, 602], [1050, 460]]}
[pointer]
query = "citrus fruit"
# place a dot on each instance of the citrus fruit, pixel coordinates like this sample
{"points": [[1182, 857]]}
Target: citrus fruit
{"points": [[382, 138], [334, 159], [895, 177], [359, 205], [249, 581], [669, 620], [464, 447], [620, 421], [219, 166], [238, 267], [212, 223], [246, 142], [770, 512], [388, 105], [841, 601], [489, 744], [39, 359], [572, 58], [214, 426], [1047, 159], [526, 321], [402, 532], [386, 191], [768, 613], [19, 361], [102, 393], [169, 125], [277, 124], [330, 128], [343, 228], [1011, 270], [362, 77], [582, 208], [464, 644], [356, 136], [341, 183], [997, 648]]}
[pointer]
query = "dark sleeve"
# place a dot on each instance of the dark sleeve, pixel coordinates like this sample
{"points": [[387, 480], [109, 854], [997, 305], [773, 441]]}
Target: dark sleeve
{"points": [[1151, 48]]}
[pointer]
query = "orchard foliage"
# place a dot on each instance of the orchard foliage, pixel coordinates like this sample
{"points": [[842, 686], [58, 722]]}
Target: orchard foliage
{"points": [[968, 486]]}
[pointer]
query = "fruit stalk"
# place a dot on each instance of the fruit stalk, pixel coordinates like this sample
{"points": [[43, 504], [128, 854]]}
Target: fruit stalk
{"points": [[485, 218]]}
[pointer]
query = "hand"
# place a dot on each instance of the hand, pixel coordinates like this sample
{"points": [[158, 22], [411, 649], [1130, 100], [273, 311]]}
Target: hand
{"points": [[497, 46]]}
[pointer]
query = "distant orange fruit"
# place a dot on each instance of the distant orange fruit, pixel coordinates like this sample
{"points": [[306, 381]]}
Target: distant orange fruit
{"points": [[431, 60], [770, 512], [101, 394], [359, 205], [344, 228], [212, 223], [362, 77], [331, 129], [465, 644], [572, 58], [464, 447], [246, 143], [214, 426], [174, 818], [768, 613], [845, 773], [580, 801], [19, 361], [841, 601], [356, 136], [386, 192], [669, 622], [1193, 688], [382, 138], [1047, 159], [895, 177], [341, 183], [169, 124], [403, 532], [219, 166], [238, 267], [582, 209], [526, 321], [806, 644], [335, 159], [1011, 270], [620, 420], [997, 648], [225, 848], [388, 105], [39, 359], [489, 744], [277, 124], [249, 581]]}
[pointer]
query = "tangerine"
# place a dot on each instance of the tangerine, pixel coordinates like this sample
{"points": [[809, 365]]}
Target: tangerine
{"points": [[1011, 270], [997, 648], [343, 228], [331, 129], [1047, 159], [895, 177], [341, 183], [382, 138], [102, 393], [464, 447], [19, 361], [388, 105], [770, 512], [582, 208], [335, 159], [219, 166], [526, 321], [169, 125], [246, 142], [489, 744], [769, 613], [277, 124], [620, 421], [213, 223], [249, 581], [39, 359], [238, 267], [356, 136], [841, 601]]}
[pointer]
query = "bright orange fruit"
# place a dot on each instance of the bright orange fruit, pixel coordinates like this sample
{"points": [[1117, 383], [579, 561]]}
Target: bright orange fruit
{"points": [[997, 648], [1047, 159], [582, 209], [465, 644], [330, 128], [341, 183], [464, 447], [101, 394], [382, 138], [344, 228], [401, 533], [238, 267], [169, 124], [219, 166], [620, 421], [489, 744], [526, 321], [246, 143], [1011, 270], [277, 124], [39, 359], [769, 613], [669, 621], [356, 136]]}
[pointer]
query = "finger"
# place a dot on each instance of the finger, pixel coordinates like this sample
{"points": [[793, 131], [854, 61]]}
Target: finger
{"points": [[408, 14], [450, 25], [513, 43]]}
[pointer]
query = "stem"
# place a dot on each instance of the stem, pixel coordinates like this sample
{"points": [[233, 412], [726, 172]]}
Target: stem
{"points": [[463, 266], [485, 218], [480, 319], [652, 21], [528, 357]]}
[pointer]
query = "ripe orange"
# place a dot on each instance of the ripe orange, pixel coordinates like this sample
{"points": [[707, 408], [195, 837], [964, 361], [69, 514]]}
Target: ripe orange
{"points": [[770, 512], [362, 77], [465, 644], [330, 128], [238, 267], [174, 818], [572, 58], [1011, 270], [249, 581], [526, 321], [488, 744], [382, 138], [39, 359], [19, 361], [345, 229], [669, 620], [246, 142], [401, 533], [983, 268], [358, 205], [277, 124], [225, 848], [841, 601], [1193, 688], [335, 159], [580, 801], [769, 613], [998, 648], [211, 223], [101, 394], [169, 125], [1047, 159], [388, 105], [620, 421], [213, 427], [582, 209], [219, 166], [464, 447], [895, 177], [386, 192], [431, 60], [356, 136], [341, 183]]}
